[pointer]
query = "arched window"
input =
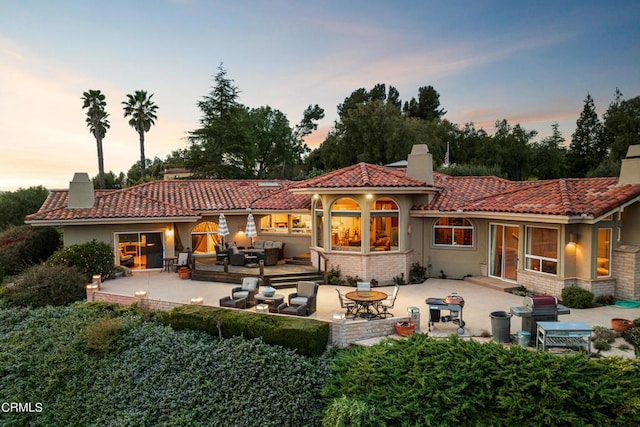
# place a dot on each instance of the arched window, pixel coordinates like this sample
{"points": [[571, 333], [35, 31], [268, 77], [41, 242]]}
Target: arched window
{"points": [[346, 225], [384, 225], [319, 224], [204, 237], [450, 231]]}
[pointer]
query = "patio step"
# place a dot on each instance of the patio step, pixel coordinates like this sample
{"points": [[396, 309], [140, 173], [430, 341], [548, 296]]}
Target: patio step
{"points": [[280, 281], [490, 282], [302, 259]]}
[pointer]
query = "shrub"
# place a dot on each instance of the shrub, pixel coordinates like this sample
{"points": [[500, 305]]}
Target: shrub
{"points": [[606, 300], [574, 297], [333, 276], [399, 280], [89, 258], [417, 273], [353, 280], [101, 334], [23, 246], [44, 284], [346, 412], [632, 336], [308, 336], [455, 382]]}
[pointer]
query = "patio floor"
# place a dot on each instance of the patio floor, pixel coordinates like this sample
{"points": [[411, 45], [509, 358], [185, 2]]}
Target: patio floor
{"points": [[480, 301]]}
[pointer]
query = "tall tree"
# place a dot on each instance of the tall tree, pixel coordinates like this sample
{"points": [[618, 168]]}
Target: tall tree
{"points": [[15, 205], [514, 149], [427, 107], [585, 152], [142, 111], [97, 122], [549, 156], [621, 126]]}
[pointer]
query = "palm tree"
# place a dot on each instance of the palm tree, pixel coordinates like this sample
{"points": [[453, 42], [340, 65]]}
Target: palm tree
{"points": [[97, 123], [143, 114]]}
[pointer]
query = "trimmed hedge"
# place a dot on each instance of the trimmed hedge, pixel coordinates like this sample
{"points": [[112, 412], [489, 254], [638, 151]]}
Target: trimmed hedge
{"points": [[574, 297], [308, 336], [421, 381]]}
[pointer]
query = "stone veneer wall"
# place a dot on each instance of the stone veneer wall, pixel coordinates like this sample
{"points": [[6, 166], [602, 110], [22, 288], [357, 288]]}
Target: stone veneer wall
{"points": [[346, 332], [626, 270], [380, 266], [550, 285]]}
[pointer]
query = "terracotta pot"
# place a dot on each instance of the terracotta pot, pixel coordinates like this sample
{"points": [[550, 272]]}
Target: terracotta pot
{"points": [[405, 328], [621, 325], [184, 273]]}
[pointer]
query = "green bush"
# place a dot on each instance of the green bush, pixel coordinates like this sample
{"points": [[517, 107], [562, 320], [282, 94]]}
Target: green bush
{"points": [[574, 297], [44, 284], [23, 246], [89, 258], [418, 273], [101, 334], [423, 381], [345, 412], [308, 336]]}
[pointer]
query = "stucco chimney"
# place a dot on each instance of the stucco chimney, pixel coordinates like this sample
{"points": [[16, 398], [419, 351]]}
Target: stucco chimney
{"points": [[630, 169], [420, 164], [81, 191]]}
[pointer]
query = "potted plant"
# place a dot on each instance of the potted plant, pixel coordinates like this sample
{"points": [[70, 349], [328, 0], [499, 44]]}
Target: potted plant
{"points": [[184, 272], [405, 328], [621, 325]]}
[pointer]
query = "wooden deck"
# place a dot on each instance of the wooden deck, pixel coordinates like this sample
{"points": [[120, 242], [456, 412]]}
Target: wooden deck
{"points": [[282, 275]]}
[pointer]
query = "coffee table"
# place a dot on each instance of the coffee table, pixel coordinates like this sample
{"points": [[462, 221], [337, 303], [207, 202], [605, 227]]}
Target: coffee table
{"points": [[273, 301]]}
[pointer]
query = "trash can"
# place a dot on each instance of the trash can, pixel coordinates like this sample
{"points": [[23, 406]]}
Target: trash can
{"points": [[524, 338], [501, 326], [414, 316]]}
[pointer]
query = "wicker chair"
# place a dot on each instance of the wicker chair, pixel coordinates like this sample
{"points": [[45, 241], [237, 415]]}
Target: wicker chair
{"points": [[248, 290], [306, 294]]}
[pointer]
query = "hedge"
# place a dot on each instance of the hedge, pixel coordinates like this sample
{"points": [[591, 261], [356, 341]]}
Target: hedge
{"points": [[308, 336], [24, 246]]}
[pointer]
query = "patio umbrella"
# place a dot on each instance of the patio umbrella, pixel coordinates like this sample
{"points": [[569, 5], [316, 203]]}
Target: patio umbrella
{"points": [[250, 231], [223, 228]]}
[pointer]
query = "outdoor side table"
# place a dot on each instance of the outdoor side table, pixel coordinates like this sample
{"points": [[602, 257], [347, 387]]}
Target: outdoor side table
{"points": [[563, 334], [169, 264], [273, 302]]}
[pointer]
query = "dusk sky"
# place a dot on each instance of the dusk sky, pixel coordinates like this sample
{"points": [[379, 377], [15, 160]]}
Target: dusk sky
{"points": [[531, 63]]}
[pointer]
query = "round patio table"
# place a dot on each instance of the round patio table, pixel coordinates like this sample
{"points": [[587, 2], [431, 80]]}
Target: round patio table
{"points": [[366, 303]]}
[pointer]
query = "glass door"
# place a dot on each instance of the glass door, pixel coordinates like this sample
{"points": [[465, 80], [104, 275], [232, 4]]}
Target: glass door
{"points": [[503, 251], [140, 251]]}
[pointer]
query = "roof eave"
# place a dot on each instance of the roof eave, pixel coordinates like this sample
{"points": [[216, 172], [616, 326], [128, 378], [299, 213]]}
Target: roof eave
{"points": [[506, 216], [365, 190], [110, 221]]}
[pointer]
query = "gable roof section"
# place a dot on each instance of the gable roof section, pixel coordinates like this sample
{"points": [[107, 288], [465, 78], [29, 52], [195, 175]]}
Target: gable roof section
{"points": [[173, 199], [361, 175], [591, 197]]}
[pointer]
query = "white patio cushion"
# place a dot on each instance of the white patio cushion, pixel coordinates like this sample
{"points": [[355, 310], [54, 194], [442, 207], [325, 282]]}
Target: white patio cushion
{"points": [[277, 245], [240, 294], [306, 289], [249, 283], [258, 244], [268, 244], [298, 300]]}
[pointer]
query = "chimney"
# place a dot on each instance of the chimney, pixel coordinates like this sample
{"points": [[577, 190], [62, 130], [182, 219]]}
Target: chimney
{"points": [[80, 191], [630, 169], [420, 164]]}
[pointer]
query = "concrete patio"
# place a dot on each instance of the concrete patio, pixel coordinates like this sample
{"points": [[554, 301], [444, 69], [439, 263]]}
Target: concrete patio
{"points": [[480, 301]]}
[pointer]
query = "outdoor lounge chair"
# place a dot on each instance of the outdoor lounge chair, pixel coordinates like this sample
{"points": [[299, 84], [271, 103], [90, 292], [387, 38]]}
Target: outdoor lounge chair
{"points": [[350, 306], [269, 256], [297, 310], [248, 290], [388, 303], [306, 294], [236, 257]]}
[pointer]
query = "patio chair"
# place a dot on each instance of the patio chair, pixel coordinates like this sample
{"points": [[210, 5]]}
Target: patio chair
{"points": [[388, 303], [297, 310], [363, 286], [306, 293], [183, 260], [236, 257], [248, 290], [350, 306], [221, 254]]}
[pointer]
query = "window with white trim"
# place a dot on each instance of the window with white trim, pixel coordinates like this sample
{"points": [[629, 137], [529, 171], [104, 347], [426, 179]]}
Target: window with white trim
{"points": [[541, 250], [383, 231], [274, 223], [451, 231]]}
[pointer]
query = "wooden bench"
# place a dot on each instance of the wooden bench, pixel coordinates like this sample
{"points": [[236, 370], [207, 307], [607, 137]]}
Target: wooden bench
{"points": [[564, 334]]}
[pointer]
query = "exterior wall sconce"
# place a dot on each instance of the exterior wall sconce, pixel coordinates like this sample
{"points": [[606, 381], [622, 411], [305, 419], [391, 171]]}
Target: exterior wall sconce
{"points": [[170, 232], [369, 196], [573, 238]]}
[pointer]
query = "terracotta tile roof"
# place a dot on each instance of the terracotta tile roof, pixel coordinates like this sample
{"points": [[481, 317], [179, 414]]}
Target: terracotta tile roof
{"points": [[172, 199], [567, 197], [361, 175]]}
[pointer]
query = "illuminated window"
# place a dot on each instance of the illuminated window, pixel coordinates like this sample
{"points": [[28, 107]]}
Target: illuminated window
{"points": [[274, 223], [346, 225], [450, 231], [204, 237], [604, 252], [319, 225], [301, 224], [542, 250], [383, 233]]}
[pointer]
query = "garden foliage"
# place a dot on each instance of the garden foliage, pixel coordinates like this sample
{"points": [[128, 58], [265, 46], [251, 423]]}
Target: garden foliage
{"points": [[23, 246], [574, 297], [150, 374], [307, 336], [421, 381], [45, 284], [89, 258]]}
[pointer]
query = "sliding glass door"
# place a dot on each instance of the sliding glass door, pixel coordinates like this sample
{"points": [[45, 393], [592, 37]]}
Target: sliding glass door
{"points": [[141, 250], [503, 251]]}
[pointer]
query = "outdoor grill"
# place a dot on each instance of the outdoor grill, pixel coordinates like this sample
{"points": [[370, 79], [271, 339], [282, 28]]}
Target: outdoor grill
{"points": [[453, 303], [543, 308]]}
